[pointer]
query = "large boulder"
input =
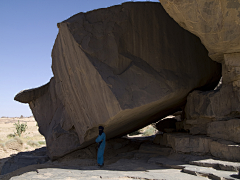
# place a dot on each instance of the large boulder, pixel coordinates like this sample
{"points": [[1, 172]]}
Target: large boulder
{"points": [[215, 22], [122, 67]]}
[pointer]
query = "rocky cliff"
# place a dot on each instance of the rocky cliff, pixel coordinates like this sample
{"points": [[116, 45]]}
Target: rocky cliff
{"points": [[122, 67]]}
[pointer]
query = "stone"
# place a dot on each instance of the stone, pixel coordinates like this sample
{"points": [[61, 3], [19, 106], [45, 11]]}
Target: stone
{"points": [[217, 164], [196, 126], [118, 68], [153, 148], [124, 169], [54, 123], [216, 105], [227, 130], [157, 138], [217, 112], [215, 22], [29, 95], [24, 159], [201, 145], [195, 167], [185, 143], [226, 150], [168, 163], [221, 104], [145, 163], [209, 172]]}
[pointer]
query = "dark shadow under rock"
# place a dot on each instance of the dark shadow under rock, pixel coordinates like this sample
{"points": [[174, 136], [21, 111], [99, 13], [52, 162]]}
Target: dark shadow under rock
{"points": [[23, 159]]}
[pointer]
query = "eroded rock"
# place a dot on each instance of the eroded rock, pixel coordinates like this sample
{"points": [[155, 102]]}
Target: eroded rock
{"points": [[201, 145], [217, 112], [215, 22], [122, 67], [228, 130]]}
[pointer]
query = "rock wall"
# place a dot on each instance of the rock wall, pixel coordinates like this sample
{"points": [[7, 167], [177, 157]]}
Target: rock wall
{"points": [[214, 113], [122, 67], [203, 109]]}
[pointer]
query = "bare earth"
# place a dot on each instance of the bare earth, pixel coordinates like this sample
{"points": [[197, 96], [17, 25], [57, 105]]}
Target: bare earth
{"points": [[30, 138]]}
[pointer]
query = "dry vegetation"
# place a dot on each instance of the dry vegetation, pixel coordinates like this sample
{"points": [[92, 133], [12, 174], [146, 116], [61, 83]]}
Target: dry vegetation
{"points": [[11, 143], [146, 131]]}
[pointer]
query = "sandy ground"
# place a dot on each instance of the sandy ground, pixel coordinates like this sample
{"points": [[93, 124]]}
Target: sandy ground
{"points": [[30, 138]]}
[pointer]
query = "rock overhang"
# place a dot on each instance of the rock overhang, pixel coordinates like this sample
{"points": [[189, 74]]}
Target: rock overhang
{"points": [[119, 68], [215, 22]]}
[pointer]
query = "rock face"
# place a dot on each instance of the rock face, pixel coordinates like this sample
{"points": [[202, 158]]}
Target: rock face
{"points": [[228, 130], [201, 145], [214, 113], [217, 112], [215, 22], [122, 67]]}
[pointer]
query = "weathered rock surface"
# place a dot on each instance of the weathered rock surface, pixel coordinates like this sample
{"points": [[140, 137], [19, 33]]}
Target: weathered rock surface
{"points": [[218, 105], [201, 145], [217, 164], [25, 159], [228, 130], [124, 169], [118, 68], [125, 158], [217, 112], [54, 123], [175, 166], [29, 95], [203, 168], [215, 22]]}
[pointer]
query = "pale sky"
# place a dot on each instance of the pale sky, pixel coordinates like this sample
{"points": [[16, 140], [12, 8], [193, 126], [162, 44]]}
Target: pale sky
{"points": [[28, 29]]}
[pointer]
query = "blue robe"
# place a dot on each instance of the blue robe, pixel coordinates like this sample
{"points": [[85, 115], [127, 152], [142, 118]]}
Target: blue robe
{"points": [[101, 148]]}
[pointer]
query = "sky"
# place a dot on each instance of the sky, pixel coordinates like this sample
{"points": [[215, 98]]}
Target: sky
{"points": [[28, 29]]}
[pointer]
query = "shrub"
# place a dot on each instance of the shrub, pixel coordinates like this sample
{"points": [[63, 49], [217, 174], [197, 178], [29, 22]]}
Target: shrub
{"points": [[20, 128], [11, 135], [3, 146], [42, 142], [32, 143], [149, 131], [15, 144]]}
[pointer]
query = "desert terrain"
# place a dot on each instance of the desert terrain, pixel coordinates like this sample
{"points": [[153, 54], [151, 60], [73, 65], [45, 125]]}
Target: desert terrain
{"points": [[11, 144]]}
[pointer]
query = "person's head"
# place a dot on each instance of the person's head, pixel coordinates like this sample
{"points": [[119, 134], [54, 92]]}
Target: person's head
{"points": [[100, 128]]}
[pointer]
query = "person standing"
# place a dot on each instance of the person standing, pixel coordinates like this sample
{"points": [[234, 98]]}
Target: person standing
{"points": [[101, 140]]}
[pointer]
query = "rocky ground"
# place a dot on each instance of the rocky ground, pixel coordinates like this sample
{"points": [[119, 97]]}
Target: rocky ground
{"points": [[125, 158], [129, 157]]}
